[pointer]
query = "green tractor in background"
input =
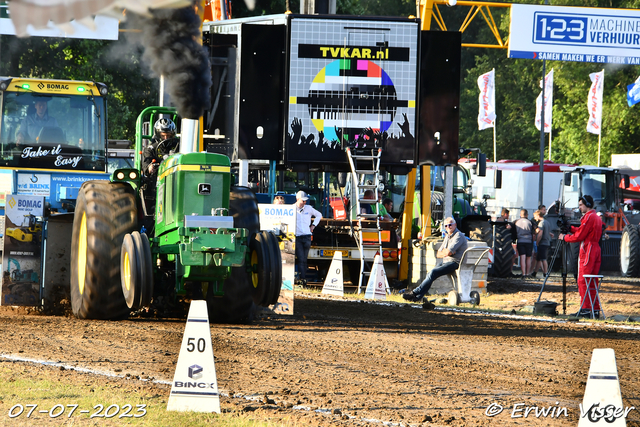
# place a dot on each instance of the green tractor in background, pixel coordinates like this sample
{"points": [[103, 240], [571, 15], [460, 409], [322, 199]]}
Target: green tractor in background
{"points": [[201, 238]]}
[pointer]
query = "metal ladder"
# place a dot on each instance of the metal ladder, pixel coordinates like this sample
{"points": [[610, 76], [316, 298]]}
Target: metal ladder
{"points": [[366, 162]]}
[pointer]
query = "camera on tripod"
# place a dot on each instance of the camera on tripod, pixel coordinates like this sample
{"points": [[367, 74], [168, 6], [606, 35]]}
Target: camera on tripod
{"points": [[563, 222]]}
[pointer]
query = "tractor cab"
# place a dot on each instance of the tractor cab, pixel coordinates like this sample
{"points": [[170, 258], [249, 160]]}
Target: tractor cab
{"points": [[52, 125], [600, 183], [53, 138], [606, 186]]}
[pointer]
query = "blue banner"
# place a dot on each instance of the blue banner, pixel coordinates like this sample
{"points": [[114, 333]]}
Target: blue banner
{"points": [[633, 93]]}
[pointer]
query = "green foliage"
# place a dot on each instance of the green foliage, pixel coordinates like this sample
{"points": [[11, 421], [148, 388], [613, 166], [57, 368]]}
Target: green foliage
{"points": [[270, 7], [116, 63], [349, 7], [620, 129], [263, 7], [517, 87], [515, 103], [386, 8]]}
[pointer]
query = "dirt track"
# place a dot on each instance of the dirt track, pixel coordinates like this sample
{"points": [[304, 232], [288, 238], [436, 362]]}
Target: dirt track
{"points": [[356, 361]]}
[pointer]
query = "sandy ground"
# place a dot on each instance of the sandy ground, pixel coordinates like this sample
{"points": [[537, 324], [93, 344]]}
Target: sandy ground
{"points": [[339, 361]]}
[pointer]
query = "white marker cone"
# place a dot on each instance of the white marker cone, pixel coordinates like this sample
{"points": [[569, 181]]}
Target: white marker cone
{"points": [[334, 283], [377, 285], [602, 402], [194, 386]]}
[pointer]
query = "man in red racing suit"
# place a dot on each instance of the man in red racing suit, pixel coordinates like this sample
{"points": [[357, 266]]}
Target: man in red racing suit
{"points": [[589, 233]]}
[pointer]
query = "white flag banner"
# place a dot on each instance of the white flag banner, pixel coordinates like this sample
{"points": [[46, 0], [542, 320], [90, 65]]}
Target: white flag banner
{"points": [[594, 103], [487, 100], [548, 103]]}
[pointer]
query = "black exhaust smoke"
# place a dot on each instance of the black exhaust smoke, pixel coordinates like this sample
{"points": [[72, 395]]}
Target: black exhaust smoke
{"points": [[172, 49]]}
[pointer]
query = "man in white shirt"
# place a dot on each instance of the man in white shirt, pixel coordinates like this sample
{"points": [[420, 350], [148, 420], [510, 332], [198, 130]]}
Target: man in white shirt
{"points": [[304, 230]]}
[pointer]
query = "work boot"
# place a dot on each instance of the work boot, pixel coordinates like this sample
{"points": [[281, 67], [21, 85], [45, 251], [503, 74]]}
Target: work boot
{"points": [[585, 313], [410, 296]]}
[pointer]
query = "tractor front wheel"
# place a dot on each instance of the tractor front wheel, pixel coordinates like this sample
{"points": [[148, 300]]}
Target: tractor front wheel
{"points": [[136, 271], [105, 212], [275, 278]]}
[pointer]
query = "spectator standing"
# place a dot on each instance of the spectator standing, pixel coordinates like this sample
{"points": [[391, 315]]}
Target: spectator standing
{"points": [[524, 230], [278, 199], [543, 210], [304, 231], [543, 239]]}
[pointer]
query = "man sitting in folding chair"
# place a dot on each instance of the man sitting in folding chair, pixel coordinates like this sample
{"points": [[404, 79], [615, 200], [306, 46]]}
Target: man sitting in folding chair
{"points": [[451, 250]]}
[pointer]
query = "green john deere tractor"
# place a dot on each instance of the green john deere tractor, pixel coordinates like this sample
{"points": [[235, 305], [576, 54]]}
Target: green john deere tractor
{"points": [[191, 234]]}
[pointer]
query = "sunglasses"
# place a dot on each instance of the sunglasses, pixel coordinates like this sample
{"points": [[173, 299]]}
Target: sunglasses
{"points": [[449, 225]]}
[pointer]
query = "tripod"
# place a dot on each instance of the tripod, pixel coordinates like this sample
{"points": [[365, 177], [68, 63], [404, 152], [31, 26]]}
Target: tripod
{"points": [[561, 248]]}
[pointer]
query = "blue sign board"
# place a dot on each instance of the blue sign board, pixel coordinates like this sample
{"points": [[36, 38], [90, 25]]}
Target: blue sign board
{"points": [[59, 188], [575, 34]]}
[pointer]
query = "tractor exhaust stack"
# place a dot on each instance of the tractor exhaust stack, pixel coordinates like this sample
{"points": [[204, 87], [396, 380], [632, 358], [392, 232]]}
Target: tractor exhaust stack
{"points": [[189, 136]]}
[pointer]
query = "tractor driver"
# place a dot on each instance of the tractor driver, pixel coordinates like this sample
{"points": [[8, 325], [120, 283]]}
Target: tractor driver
{"points": [[35, 120], [164, 142]]}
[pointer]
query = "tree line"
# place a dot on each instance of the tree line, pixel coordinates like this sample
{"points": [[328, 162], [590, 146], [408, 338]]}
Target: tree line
{"points": [[133, 86]]}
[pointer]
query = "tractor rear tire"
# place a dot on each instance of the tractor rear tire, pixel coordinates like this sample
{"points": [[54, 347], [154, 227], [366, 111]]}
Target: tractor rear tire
{"points": [[105, 212], [630, 251], [502, 253], [237, 306]]}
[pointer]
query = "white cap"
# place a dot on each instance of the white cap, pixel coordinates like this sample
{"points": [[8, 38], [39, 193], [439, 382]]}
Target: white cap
{"points": [[301, 195]]}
